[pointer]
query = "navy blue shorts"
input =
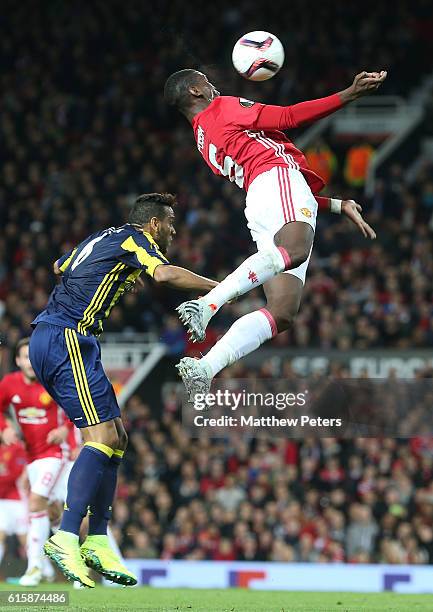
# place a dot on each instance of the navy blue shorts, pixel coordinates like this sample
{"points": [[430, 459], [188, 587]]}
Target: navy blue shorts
{"points": [[69, 367]]}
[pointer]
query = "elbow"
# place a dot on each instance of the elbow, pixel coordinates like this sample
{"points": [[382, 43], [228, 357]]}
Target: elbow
{"points": [[163, 274], [56, 268], [289, 120]]}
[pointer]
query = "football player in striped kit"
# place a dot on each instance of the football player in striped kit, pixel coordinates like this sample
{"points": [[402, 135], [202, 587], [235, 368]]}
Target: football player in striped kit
{"points": [[66, 357]]}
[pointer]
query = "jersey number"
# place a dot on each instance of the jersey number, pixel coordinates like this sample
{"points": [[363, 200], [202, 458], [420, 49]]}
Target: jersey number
{"points": [[233, 171], [84, 254]]}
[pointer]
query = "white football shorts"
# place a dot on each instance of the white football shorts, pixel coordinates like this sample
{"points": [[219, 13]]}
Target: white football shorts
{"points": [[277, 197], [61, 488], [45, 476], [13, 516]]}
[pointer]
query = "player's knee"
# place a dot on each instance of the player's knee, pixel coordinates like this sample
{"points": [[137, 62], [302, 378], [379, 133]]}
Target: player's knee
{"points": [[284, 321], [286, 259], [284, 315], [294, 242], [37, 503], [298, 254], [54, 512]]}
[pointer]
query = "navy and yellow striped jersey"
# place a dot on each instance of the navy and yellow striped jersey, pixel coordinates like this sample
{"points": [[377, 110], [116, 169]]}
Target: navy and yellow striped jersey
{"points": [[96, 273]]}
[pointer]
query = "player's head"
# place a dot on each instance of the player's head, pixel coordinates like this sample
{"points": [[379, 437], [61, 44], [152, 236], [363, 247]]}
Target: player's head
{"points": [[153, 213], [22, 358], [188, 90]]}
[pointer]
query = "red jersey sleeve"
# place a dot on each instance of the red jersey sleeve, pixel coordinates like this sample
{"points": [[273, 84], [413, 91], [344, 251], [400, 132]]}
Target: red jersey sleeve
{"points": [[253, 115], [323, 202]]}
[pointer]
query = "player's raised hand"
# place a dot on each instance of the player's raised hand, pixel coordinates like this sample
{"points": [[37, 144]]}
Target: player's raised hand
{"points": [[352, 211], [363, 84]]}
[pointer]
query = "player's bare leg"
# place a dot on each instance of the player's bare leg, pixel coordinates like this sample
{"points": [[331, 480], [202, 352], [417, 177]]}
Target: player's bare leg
{"points": [[292, 246], [283, 299]]}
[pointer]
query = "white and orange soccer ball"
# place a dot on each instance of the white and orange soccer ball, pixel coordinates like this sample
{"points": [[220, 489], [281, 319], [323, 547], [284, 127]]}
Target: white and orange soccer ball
{"points": [[258, 56]]}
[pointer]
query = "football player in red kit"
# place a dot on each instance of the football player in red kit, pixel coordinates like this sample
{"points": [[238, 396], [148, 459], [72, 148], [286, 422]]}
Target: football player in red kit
{"points": [[242, 141], [44, 432]]}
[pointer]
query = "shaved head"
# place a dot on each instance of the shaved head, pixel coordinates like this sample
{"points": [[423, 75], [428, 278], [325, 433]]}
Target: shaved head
{"points": [[190, 91], [176, 90]]}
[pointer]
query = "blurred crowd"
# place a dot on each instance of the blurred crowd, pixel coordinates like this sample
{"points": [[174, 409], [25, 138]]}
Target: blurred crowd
{"points": [[365, 500], [84, 129]]}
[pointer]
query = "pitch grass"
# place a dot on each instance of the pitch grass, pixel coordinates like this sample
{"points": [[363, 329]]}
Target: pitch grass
{"points": [[223, 600]]}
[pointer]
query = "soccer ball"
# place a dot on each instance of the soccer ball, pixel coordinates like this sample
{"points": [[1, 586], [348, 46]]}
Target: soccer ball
{"points": [[258, 56]]}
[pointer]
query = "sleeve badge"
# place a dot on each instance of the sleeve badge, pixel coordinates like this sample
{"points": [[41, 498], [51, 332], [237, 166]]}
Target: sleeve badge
{"points": [[246, 103]]}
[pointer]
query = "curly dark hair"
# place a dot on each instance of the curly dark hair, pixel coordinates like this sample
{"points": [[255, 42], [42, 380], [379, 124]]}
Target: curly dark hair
{"points": [[151, 205]]}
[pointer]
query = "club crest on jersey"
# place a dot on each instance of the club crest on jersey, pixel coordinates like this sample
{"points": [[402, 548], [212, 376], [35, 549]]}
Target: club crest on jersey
{"points": [[306, 212], [246, 103], [44, 398]]}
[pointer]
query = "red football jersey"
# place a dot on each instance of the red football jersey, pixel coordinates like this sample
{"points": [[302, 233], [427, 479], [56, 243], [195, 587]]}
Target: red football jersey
{"points": [[13, 460], [36, 412], [240, 139]]}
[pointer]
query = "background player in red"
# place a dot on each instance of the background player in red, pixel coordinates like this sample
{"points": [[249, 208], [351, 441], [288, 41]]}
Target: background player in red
{"points": [[44, 431], [13, 507], [242, 141]]}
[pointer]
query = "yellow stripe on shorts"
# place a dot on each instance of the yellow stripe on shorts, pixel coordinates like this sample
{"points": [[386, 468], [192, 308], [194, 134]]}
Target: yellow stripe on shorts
{"points": [[80, 377], [83, 371]]}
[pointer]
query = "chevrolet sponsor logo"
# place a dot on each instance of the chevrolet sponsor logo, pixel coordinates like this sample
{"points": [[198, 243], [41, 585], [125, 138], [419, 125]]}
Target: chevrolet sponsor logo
{"points": [[32, 412]]}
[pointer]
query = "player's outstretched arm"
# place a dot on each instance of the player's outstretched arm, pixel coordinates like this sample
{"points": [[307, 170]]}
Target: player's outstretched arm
{"points": [[180, 278], [286, 117]]}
